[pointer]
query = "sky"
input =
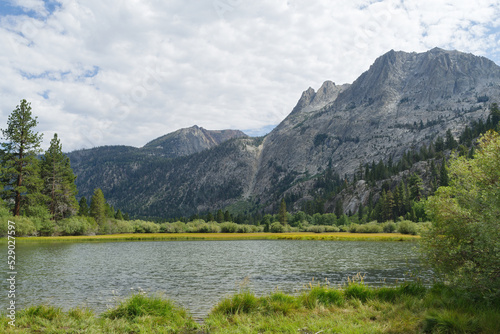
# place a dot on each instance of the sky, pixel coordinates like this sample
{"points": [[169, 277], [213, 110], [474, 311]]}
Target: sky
{"points": [[124, 72]]}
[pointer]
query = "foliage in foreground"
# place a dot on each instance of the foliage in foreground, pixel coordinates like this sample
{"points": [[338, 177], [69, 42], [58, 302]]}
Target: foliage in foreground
{"points": [[356, 308], [464, 241]]}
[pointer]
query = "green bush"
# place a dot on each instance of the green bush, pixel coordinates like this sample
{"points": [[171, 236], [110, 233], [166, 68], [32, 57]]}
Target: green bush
{"points": [[24, 226], [228, 227], [276, 227], [407, 227], [389, 227], [141, 226], [117, 226], [316, 229], [177, 227], [244, 229], [76, 225], [372, 227], [196, 226], [211, 227]]}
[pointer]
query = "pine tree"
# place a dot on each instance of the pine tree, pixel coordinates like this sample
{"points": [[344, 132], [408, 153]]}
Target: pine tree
{"points": [[416, 187], [439, 145], [227, 216], [19, 166], [389, 206], [450, 142], [58, 181], [220, 217], [83, 207], [119, 215], [339, 210], [98, 207], [443, 175], [282, 216]]}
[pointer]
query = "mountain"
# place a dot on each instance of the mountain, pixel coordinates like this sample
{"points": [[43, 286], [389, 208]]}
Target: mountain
{"points": [[189, 141], [403, 101]]}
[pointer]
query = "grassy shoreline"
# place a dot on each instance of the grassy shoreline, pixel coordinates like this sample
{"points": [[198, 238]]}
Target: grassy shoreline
{"points": [[354, 308], [337, 236]]}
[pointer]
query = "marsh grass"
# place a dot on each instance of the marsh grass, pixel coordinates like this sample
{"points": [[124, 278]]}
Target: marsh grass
{"points": [[355, 308], [140, 313], [318, 308], [339, 236]]}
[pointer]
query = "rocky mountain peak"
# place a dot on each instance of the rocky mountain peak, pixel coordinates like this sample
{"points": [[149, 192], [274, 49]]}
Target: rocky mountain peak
{"points": [[312, 100], [402, 102], [188, 141]]}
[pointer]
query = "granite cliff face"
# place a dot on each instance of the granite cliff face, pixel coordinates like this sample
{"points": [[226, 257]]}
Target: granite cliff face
{"points": [[404, 100]]}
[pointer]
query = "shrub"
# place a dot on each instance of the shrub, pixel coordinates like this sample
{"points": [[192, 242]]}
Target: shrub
{"points": [[196, 226], [244, 229], [276, 227], [343, 228], [407, 227], [228, 227], [211, 227], [77, 225], [316, 229], [141, 226], [177, 227], [389, 227], [120, 226], [372, 227], [352, 228], [331, 229], [24, 226]]}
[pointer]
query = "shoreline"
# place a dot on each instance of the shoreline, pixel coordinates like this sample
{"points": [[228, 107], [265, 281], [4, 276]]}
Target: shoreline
{"points": [[353, 308], [336, 236]]}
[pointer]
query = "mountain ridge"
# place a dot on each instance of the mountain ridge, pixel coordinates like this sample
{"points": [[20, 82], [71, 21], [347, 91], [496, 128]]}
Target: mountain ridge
{"points": [[404, 100]]}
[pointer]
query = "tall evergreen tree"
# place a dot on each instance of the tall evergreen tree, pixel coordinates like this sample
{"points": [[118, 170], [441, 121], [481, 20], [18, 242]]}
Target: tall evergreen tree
{"points": [[119, 215], [282, 216], [19, 166], [416, 187], [443, 175], [83, 207], [450, 143], [220, 216], [98, 208], [227, 216], [58, 181]]}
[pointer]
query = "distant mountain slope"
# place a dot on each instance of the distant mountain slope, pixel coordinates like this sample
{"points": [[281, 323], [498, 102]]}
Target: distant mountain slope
{"points": [[404, 100], [188, 141]]}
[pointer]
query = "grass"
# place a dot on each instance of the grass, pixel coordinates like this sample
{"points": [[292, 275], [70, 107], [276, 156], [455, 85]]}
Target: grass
{"points": [[354, 308], [338, 236], [137, 314]]}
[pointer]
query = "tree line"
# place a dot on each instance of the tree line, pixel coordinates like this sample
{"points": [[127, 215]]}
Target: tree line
{"points": [[40, 184]]}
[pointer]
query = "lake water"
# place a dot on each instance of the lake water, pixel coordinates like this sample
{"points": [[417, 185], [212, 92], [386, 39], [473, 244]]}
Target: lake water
{"points": [[196, 274]]}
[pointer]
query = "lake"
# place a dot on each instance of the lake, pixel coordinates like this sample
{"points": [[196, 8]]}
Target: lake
{"points": [[196, 274]]}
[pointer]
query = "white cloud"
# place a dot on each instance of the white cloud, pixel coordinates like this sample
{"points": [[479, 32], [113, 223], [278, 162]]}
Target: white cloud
{"points": [[127, 71]]}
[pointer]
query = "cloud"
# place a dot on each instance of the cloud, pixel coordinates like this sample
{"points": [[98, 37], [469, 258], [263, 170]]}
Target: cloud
{"points": [[126, 72]]}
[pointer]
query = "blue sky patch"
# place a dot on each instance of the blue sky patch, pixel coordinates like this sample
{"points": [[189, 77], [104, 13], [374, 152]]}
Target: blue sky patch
{"points": [[259, 132], [8, 8]]}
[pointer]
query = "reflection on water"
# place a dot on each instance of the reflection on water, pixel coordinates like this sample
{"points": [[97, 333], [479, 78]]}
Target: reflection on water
{"points": [[196, 274]]}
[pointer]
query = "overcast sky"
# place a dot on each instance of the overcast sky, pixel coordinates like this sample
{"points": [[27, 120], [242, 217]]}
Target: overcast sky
{"points": [[106, 72]]}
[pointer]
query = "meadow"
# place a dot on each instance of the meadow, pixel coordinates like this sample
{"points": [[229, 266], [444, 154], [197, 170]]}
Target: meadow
{"points": [[336, 236]]}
